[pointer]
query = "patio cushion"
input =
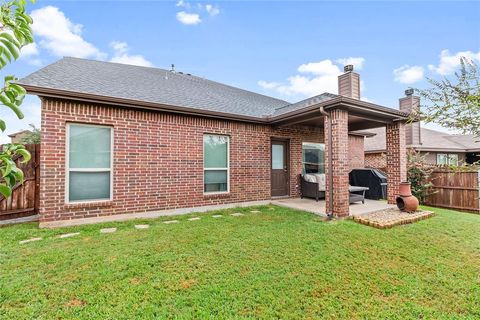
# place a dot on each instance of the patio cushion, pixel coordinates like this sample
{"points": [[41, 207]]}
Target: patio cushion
{"points": [[310, 178], [321, 181]]}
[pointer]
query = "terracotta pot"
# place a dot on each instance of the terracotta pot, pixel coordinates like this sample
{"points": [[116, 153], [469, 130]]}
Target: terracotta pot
{"points": [[405, 190], [408, 204]]}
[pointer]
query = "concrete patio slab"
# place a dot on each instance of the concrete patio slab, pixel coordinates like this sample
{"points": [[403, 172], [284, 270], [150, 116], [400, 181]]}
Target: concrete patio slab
{"points": [[318, 208]]}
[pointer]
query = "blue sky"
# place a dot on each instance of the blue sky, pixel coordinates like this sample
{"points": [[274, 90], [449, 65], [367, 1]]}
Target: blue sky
{"points": [[289, 50]]}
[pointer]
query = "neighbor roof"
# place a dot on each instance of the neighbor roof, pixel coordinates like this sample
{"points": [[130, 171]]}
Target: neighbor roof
{"points": [[432, 140], [156, 88]]}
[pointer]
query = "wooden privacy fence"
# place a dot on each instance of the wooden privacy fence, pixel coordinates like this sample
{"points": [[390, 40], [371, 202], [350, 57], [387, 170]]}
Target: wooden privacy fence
{"points": [[455, 190], [24, 200]]}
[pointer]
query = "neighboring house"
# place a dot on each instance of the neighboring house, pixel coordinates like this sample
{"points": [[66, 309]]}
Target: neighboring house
{"points": [[18, 137], [126, 139], [438, 148]]}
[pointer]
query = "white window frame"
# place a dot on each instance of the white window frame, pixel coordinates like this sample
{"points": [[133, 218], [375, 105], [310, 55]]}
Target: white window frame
{"points": [[447, 159], [216, 169], [67, 164], [453, 154], [438, 158]]}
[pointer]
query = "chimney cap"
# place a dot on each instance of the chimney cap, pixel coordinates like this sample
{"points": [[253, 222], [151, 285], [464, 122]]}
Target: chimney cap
{"points": [[348, 68], [409, 92]]}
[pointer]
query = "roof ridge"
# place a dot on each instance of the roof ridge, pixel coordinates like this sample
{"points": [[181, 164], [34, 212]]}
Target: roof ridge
{"points": [[177, 73]]}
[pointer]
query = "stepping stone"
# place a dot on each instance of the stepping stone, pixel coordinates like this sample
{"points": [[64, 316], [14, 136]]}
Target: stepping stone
{"points": [[217, 216], [237, 214], [142, 226], [170, 221], [108, 230], [255, 211], [194, 219], [30, 240], [68, 235]]}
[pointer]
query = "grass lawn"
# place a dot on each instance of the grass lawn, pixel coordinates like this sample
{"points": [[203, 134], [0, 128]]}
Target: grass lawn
{"points": [[279, 263]]}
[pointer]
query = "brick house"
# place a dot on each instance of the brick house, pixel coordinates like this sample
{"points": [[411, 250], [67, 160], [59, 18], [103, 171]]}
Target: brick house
{"points": [[121, 139], [438, 148]]}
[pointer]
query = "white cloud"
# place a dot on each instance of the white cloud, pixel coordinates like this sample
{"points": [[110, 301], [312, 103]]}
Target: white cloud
{"points": [[406, 74], [121, 55], [60, 36], [30, 54], [212, 10], [324, 67], [193, 14], [314, 78], [450, 62], [183, 4], [188, 18], [30, 49], [357, 62]]}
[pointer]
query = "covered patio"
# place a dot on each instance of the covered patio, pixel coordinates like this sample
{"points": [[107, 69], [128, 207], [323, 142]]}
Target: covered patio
{"points": [[341, 116], [319, 208]]}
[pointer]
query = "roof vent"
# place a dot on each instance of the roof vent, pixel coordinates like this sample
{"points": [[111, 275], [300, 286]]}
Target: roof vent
{"points": [[409, 92], [348, 68], [173, 68]]}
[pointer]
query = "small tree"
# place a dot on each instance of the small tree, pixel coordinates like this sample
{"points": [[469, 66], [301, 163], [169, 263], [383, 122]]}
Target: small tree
{"points": [[32, 137], [418, 173], [15, 33], [455, 105]]}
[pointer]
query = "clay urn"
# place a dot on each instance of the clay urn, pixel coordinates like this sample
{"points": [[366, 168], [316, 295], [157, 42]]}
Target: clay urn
{"points": [[407, 204], [406, 201]]}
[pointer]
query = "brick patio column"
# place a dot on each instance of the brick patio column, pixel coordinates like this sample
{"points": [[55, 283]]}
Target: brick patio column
{"points": [[396, 159], [339, 147]]}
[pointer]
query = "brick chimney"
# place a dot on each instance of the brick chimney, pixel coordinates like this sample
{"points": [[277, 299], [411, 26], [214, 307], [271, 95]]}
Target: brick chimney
{"points": [[349, 83], [411, 103]]}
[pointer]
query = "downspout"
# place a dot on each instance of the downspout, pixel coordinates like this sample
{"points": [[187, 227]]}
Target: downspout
{"points": [[330, 162]]}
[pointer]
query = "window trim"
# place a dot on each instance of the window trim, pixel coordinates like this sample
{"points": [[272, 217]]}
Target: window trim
{"points": [[213, 169], [438, 158], [447, 158], [67, 164], [321, 143]]}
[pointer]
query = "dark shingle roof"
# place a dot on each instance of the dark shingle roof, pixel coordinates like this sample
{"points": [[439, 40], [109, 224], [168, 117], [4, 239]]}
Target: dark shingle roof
{"points": [[150, 85], [305, 103], [431, 140], [144, 85]]}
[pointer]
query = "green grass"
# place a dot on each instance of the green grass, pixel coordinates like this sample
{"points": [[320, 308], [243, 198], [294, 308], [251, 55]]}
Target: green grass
{"points": [[279, 263]]}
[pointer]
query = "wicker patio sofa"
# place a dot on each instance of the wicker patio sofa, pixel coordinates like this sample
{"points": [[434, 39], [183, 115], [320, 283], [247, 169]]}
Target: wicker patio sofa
{"points": [[310, 187]]}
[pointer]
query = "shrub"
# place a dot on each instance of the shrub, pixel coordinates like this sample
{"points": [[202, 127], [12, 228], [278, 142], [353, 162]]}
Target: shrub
{"points": [[418, 174]]}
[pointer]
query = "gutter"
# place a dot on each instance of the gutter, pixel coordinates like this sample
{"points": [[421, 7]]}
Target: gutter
{"points": [[330, 162]]}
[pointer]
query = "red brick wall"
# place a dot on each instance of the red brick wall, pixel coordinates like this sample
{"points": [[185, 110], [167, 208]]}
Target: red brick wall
{"points": [[158, 159], [376, 160], [356, 153]]}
